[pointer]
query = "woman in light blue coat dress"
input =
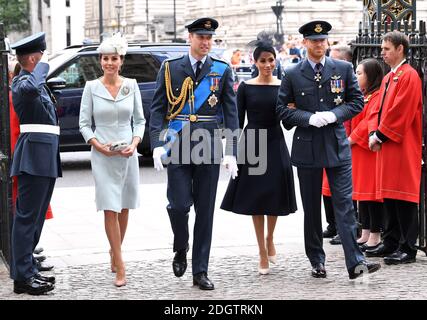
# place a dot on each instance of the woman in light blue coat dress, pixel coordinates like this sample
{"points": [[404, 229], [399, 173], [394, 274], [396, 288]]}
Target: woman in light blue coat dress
{"points": [[113, 102]]}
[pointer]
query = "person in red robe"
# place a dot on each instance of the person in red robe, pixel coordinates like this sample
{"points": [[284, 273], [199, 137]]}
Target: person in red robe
{"points": [[369, 75], [396, 136]]}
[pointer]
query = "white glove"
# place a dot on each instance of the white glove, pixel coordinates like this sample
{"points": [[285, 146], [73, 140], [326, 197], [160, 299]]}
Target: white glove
{"points": [[374, 138], [317, 120], [329, 116], [157, 157], [45, 57], [230, 164]]}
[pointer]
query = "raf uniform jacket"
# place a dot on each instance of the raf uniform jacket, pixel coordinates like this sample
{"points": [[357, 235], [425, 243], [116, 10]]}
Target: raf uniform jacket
{"points": [[324, 147], [35, 153], [180, 68]]}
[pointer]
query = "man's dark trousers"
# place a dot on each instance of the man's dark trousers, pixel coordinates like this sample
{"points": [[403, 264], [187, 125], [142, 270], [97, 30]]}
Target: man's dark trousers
{"points": [[188, 184], [34, 194], [340, 182]]}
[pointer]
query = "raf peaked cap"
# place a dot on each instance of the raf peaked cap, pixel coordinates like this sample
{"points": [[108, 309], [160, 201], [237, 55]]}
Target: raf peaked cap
{"points": [[31, 44], [203, 26], [315, 30]]}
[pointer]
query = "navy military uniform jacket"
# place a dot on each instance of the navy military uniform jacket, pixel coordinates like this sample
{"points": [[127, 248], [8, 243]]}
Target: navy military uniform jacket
{"points": [[35, 153], [327, 146], [180, 68]]}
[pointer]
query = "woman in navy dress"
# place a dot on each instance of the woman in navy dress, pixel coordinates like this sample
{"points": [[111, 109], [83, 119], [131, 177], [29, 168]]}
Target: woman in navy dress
{"points": [[272, 192]]}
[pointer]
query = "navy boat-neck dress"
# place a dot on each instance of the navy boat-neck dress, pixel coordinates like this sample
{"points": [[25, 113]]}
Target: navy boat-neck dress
{"points": [[271, 193]]}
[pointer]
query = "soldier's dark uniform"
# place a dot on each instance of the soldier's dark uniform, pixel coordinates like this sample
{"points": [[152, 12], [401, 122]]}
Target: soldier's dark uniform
{"points": [[35, 162], [189, 182], [333, 89]]}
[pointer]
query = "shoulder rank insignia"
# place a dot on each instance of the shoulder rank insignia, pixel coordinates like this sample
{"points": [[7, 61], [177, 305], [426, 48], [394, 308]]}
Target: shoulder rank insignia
{"points": [[396, 77]]}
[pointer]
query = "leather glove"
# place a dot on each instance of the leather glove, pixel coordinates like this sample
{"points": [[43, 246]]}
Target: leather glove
{"points": [[329, 116], [230, 164], [317, 120], [157, 158]]}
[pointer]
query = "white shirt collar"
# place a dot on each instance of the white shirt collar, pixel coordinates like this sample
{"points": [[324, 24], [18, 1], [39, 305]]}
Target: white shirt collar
{"points": [[313, 64], [193, 60], [397, 67]]}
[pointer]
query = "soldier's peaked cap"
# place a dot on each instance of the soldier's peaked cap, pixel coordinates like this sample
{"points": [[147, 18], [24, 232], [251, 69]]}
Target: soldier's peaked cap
{"points": [[203, 26], [31, 44], [317, 29]]}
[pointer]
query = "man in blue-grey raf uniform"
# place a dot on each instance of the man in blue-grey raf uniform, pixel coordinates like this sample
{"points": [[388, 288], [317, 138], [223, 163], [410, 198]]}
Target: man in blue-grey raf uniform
{"points": [[191, 91], [317, 95], [35, 162]]}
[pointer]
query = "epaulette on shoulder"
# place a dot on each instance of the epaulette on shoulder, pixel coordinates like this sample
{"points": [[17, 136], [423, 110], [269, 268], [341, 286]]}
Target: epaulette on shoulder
{"points": [[175, 58], [218, 59], [26, 77]]}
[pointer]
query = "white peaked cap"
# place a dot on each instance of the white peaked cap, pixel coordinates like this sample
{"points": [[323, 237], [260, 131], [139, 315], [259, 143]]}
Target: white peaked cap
{"points": [[116, 44]]}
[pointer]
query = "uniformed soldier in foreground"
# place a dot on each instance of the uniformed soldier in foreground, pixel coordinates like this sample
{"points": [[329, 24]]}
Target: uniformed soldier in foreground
{"points": [[35, 162], [325, 94], [191, 91]]}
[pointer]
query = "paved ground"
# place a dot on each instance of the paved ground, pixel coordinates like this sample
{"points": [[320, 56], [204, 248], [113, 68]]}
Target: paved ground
{"points": [[76, 244]]}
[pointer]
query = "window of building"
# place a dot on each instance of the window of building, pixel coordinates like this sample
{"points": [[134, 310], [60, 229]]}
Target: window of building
{"points": [[67, 3]]}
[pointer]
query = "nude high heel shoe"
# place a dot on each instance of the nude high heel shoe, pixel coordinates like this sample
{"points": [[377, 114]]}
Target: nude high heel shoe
{"points": [[263, 271], [120, 277], [273, 258]]}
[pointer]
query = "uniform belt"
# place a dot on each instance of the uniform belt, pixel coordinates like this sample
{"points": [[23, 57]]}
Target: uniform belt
{"points": [[195, 118], [42, 128]]}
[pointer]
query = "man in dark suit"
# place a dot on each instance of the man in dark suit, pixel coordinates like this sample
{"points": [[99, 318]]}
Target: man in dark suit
{"points": [[36, 162], [324, 93], [191, 91]]}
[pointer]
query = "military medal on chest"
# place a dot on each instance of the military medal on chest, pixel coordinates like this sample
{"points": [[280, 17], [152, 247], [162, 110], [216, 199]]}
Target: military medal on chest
{"points": [[338, 100], [318, 77], [337, 84], [213, 100]]}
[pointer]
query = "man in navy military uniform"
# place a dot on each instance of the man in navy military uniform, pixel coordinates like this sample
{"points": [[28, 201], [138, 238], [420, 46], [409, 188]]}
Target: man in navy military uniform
{"points": [[35, 162], [324, 93], [191, 91]]}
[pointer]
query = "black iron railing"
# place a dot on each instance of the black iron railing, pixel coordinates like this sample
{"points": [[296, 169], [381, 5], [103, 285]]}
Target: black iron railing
{"points": [[368, 45]]}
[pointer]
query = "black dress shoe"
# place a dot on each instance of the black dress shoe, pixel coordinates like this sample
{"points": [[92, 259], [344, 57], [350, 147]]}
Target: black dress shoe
{"points": [[39, 258], [32, 286], [363, 247], [335, 240], [43, 266], [50, 279], [380, 251], [38, 250], [329, 233], [399, 257], [201, 279], [363, 267], [318, 271], [179, 263]]}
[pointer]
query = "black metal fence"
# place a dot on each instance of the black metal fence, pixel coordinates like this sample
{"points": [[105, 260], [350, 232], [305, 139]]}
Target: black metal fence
{"points": [[5, 181], [368, 45]]}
